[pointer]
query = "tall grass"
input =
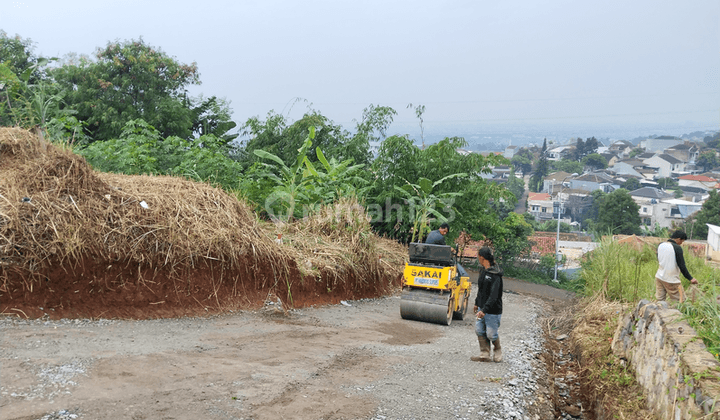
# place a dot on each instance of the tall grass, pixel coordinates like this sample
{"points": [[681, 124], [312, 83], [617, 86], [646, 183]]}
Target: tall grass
{"points": [[623, 273]]}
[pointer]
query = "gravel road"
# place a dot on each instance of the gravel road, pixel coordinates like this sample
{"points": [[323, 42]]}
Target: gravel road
{"points": [[358, 360]]}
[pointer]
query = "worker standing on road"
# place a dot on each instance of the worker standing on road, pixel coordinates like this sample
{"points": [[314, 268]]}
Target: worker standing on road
{"points": [[488, 307], [672, 263], [437, 237]]}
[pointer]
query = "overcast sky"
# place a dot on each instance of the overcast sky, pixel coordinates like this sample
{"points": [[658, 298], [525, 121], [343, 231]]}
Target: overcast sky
{"points": [[479, 61]]}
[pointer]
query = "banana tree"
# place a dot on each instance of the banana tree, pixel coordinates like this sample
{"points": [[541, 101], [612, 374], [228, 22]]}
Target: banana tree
{"points": [[424, 202], [338, 179], [291, 182]]}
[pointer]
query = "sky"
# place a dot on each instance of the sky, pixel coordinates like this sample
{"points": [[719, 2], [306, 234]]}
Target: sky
{"points": [[476, 62]]}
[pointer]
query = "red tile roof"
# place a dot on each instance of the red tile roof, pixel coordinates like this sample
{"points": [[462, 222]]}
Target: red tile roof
{"points": [[701, 178], [538, 196]]}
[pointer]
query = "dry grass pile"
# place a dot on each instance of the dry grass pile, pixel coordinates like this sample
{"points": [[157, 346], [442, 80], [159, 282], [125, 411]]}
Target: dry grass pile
{"points": [[83, 236], [337, 242], [608, 384], [55, 208]]}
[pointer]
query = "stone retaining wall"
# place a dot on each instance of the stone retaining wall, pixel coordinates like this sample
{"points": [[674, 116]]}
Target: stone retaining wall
{"points": [[681, 378]]}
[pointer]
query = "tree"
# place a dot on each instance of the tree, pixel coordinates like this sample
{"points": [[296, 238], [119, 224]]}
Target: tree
{"points": [[141, 150], [130, 80], [707, 161], [667, 183], [569, 166], [278, 136], [212, 116], [618, 214], [591, 146], [595, 161], [631, 184], [636, 151], [551, 226], [375, 119], [515, 185], [579, 151], [424, 203], [592, 213], [541, 170], [713, 141], [399, 159], [522, 161]]}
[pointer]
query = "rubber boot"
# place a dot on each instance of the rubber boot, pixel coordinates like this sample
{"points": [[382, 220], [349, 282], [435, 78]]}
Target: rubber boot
{"points": [[484, 350], [497, 351]]}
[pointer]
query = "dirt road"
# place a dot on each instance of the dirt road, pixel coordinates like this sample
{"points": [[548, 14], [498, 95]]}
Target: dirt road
{"points": [[357, 360]]}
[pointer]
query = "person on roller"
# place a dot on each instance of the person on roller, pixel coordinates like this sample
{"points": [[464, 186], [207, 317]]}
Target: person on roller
{"points": [[488, 307], [437, 237]]}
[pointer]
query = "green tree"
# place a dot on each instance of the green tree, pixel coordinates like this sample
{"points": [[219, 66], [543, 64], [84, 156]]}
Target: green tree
{"points": [[541, 170], [213, 116], [631, 184], [595, 161], [590, 217], [522, 161], [707, 161], [141, 150], [618, 214], [399, 159], [282, 138], [424, 202], [372, 127], [130, 80], [713, 141], [667, 183], [291, 183], [551, 226], [515, 185], [569, 166], [636, 151]]}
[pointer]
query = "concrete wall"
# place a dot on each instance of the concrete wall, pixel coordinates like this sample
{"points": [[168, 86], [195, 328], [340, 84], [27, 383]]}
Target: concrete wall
{"points": [[681, 378]]}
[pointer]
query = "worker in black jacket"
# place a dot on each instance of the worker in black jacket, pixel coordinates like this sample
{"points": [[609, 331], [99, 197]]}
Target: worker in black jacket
{"points": [[488, 307]]}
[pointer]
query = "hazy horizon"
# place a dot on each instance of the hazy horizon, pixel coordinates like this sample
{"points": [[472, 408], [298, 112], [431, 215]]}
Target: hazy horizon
{"points": [[519, 62]]}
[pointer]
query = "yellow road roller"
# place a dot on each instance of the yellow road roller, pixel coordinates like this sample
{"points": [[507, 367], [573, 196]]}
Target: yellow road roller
{"points": [[432, 289]]}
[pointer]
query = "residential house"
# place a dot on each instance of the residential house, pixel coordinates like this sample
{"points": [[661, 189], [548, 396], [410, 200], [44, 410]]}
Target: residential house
{"points": [[699, 181], [658, 145], [666, 164], [553, 181], [712, 251], [675, 211], [695, 194], [501, 171], [649, 199], [687, 152], [510, 152], [610, 157], [627, 167], [595, 181], [557, 153], [540, 206], [621, 148]]}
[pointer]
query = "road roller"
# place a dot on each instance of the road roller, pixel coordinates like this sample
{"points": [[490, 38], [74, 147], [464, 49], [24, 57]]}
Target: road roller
{"points": [[432, 289]]}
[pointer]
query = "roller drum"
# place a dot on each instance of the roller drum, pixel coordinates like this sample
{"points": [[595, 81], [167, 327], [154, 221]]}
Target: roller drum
{"points": [[427, 306]]}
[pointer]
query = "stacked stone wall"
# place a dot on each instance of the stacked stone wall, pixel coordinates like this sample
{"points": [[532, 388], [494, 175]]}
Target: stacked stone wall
{"points": [[680, 377]]}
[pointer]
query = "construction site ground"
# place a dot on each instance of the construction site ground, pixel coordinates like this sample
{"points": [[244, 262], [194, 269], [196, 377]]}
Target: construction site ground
{"points": [[355, 360]]}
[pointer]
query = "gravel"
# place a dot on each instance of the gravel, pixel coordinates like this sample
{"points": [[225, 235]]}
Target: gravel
{"points": [[433, 380]]}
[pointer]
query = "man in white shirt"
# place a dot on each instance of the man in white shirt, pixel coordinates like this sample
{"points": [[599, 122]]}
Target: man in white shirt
{"points": [[672, 263]]}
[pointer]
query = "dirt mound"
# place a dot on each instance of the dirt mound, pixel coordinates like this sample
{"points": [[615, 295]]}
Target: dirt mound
{"points": [[79, 243]]}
